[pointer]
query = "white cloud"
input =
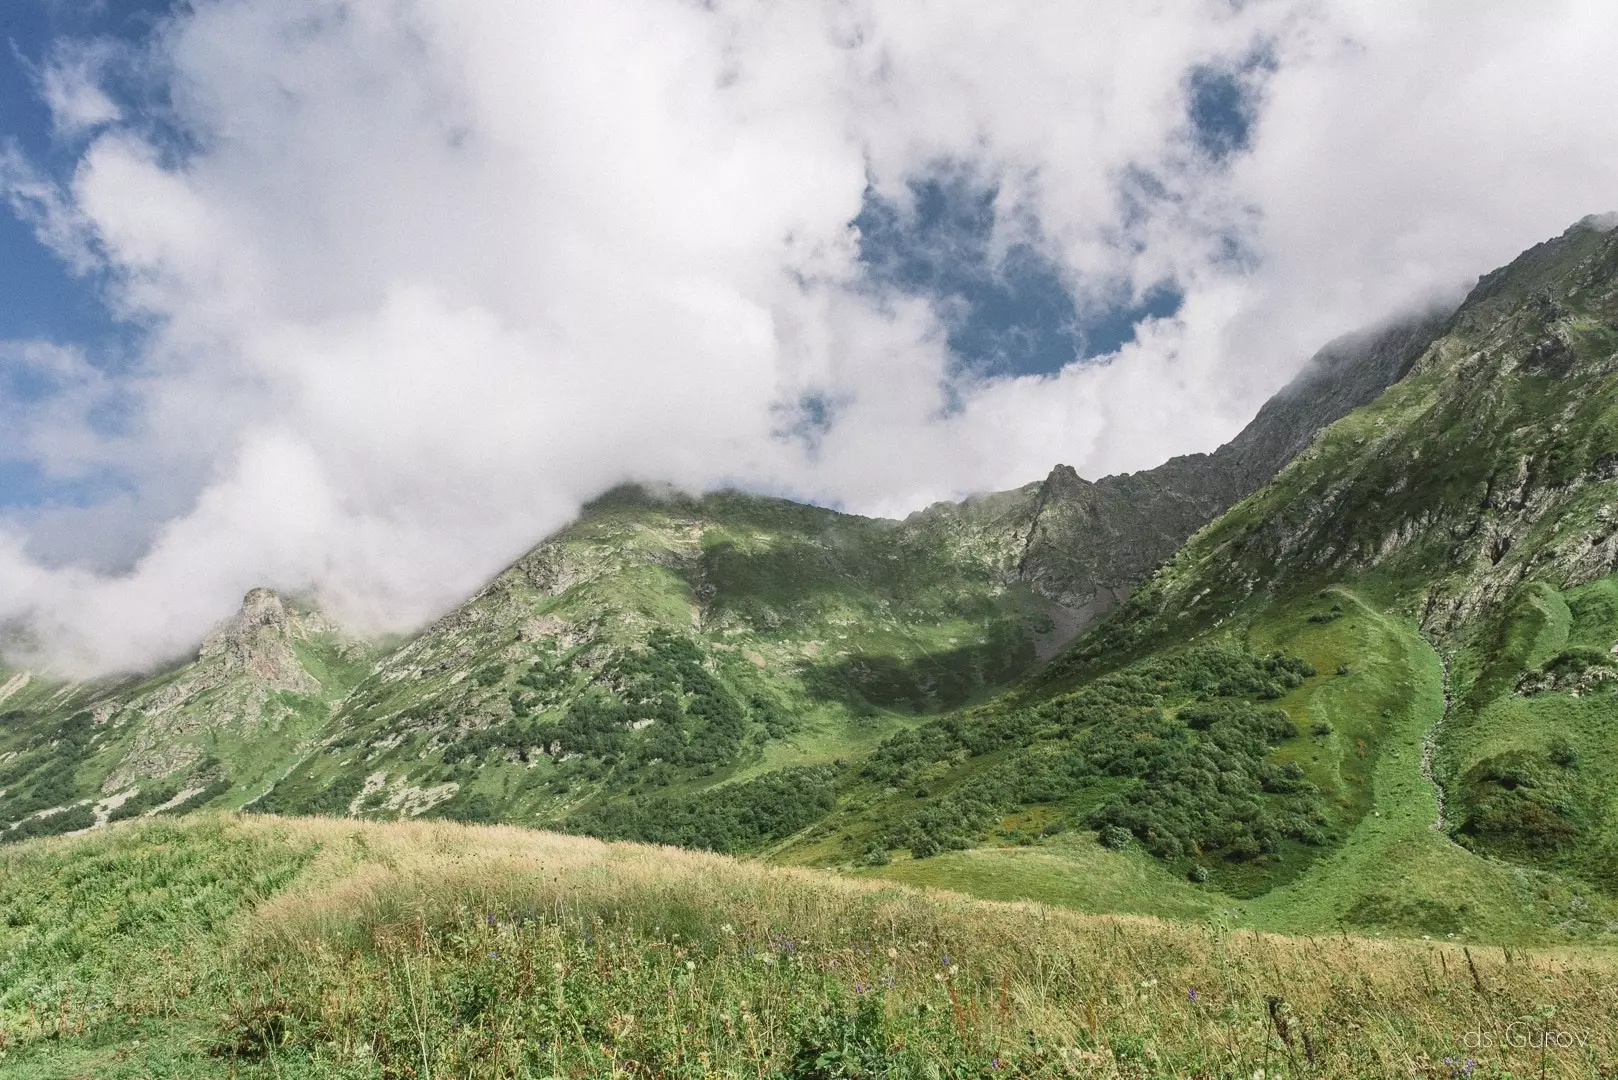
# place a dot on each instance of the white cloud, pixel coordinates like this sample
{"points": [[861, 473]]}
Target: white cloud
{"points": [[71, 87], [426, 275]]}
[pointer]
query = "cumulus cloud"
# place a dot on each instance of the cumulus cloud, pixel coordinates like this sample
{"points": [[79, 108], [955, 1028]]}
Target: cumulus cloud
{"points": [[413, 280]]}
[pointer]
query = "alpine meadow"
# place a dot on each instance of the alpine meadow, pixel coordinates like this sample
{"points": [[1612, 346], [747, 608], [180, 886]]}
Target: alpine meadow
{"points": [[1299, 758]]}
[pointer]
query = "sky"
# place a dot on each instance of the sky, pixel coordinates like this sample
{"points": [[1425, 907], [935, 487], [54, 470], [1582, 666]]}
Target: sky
{"points": [[361, 298]]}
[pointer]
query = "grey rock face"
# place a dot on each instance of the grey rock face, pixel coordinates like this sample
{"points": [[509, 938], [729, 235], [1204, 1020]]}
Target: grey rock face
{"points": [[1086, 545]]}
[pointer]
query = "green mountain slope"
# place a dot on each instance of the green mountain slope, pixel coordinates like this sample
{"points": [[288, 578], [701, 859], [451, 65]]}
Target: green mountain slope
{"points": [[1443, 559], [1478, 498], [1372, 688], [662, 644]]}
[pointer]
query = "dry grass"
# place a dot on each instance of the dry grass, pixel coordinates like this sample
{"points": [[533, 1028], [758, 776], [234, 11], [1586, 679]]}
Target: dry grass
{"points": [[452, 950]]}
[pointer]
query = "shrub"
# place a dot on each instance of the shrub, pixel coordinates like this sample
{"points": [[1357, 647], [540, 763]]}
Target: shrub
{"points": [[1563, 754], [64, 821], [729, 818], [1115, 837], [152, 794]]}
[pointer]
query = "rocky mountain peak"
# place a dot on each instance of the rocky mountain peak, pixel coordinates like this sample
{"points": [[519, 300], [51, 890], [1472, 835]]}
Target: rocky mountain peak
{"points": [[257, 640], [262, 605]]}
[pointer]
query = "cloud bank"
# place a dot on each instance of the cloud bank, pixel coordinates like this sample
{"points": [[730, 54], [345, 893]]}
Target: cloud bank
{"points": [[410, 279]]}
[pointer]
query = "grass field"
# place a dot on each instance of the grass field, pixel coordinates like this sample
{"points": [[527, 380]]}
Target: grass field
{"points": [[264, 947]]}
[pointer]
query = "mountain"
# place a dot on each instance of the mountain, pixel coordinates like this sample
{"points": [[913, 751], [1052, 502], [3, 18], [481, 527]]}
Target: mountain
{"points": [[1351, 669], [1429, 586], [662, 640], [1476, 500]]}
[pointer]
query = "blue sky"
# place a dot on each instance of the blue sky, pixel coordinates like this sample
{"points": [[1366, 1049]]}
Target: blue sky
{"points": [[39, 297]]}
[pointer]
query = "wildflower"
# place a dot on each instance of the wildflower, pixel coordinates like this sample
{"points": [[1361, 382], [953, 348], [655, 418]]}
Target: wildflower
{"points": [[1147, 984], [939, 977], [1191, 994], [860, 988], [494, 955], [994, 1063], [690, 966], [954, 969], [727, 929], [893, 954]]}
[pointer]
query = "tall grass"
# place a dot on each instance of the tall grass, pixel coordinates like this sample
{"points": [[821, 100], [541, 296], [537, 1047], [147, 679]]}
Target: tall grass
{"points": [[431, 949]]}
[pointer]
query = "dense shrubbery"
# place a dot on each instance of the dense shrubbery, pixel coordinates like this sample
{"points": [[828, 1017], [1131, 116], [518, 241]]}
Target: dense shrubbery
{"points": [[1522, 802], [65, 821], [734, 817], [43, 776], [472, 807], [152, 794], [928, 681], [1198, 782], [657, 704], [294, 798]]}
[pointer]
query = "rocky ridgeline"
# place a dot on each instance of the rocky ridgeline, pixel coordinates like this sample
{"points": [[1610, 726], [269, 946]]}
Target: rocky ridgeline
{"points": [[1490, 464], [1479, 469]]}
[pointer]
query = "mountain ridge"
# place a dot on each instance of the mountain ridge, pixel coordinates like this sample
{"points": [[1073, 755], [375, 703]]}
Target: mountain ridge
{"points": [[1244, 701]]}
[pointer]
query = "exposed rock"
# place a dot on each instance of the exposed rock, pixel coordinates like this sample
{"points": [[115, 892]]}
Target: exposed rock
{"points": [[14, 684], [244, 661]]}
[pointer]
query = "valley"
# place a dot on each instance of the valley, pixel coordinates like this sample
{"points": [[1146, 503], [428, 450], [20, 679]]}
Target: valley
{"points": [[1351, 678]]}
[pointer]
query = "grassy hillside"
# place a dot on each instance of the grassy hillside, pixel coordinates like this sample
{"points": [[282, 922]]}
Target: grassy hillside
{"points": [[659, 647], [1476, 501], [663, 644], [220, 729], [1377, 696], [1442, 559], [261, 947], [1369, 858]]}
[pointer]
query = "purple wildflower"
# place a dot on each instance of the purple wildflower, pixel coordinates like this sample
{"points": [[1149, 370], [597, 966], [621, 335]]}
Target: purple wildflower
{"points": [[1191, 994]]}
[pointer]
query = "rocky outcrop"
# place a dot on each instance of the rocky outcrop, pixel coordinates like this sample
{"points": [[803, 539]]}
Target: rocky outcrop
{"points": [[1086, 545], [240, 665], [257, 644]]}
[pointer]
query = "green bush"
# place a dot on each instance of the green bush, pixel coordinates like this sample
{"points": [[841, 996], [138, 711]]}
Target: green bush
{"points": [[1197, 781], [1115, 837], [64, 821], [152, 794], [734, 817]]}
